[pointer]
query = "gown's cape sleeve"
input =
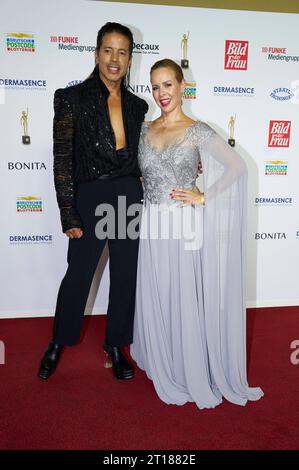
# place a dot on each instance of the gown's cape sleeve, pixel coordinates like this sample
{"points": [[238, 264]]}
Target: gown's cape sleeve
{"points": [[224, 252]]}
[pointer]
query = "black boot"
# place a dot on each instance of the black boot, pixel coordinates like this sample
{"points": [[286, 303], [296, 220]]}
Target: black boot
{"points": [[122, 368], [50, 360]]}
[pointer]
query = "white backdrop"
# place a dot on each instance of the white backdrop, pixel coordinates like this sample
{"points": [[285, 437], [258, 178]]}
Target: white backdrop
{"points": [[48, 45]]}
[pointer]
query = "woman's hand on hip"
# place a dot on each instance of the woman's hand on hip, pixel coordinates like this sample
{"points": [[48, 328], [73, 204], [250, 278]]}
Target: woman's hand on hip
{"points": [[188, 196]]}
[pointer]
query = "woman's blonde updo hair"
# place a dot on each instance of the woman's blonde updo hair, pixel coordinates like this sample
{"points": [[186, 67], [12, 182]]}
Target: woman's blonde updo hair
{"points": [[171, 64]]}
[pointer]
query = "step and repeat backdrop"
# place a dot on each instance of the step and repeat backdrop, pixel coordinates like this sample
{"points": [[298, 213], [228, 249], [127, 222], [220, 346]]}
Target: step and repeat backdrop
{"points": [[242, 77]]}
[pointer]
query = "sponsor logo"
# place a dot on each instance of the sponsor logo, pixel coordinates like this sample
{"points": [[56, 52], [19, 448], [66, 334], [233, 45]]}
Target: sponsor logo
{"points": [[20, 42], [270, 236], [141, 48], [65, 39], [140, 88], [70, 43], [279, 54], [273, 201], [190, 91], [276, 168], [32, 239], [274, 50], [29, 204], [233, 91], [23, 84], [26, 166], [236, 55], [282, 94], [279, 134], [73, 82]]}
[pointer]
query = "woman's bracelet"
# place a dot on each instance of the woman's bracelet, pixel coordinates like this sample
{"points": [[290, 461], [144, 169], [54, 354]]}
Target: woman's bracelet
{"points": [[202, 199]]}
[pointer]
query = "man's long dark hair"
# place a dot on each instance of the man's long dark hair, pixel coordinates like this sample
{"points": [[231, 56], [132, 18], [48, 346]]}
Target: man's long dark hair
{"points": [[121, 29]]}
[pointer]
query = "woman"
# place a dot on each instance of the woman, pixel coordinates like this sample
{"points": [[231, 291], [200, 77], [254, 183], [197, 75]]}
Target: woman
{"points": [[189, 327]]}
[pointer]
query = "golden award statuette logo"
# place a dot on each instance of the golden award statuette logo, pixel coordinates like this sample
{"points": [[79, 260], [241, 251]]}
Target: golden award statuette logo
{"points": [[184, 46], [231, 127], [24, 123]]}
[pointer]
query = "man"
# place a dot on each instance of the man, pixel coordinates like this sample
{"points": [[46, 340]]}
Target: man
{"points": [[96, 132]]}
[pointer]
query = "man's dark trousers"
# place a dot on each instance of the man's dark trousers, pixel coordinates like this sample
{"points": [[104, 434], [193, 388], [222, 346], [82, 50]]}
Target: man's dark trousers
{"points": [[83, 257]]}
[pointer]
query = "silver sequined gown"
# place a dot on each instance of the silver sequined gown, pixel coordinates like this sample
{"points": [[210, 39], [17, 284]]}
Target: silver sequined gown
{"points": [[189, 328]]}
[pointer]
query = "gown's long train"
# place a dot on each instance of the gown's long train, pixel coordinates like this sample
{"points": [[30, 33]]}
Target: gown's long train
{"points": [[189, 329]]}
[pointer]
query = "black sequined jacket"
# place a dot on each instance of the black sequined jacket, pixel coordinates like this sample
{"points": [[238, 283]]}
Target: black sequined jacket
{"points": [[84, 142]]}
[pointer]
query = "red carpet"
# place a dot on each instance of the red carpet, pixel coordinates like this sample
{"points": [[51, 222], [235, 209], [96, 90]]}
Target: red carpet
{"points": [[83, 407]]}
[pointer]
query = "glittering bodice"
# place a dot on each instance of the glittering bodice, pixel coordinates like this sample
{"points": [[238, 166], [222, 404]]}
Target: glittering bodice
{"points": [[176, 166]]}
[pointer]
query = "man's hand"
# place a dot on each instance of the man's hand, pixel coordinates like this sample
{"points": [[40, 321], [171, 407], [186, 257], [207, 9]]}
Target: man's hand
{"points": [[74, 233]]}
